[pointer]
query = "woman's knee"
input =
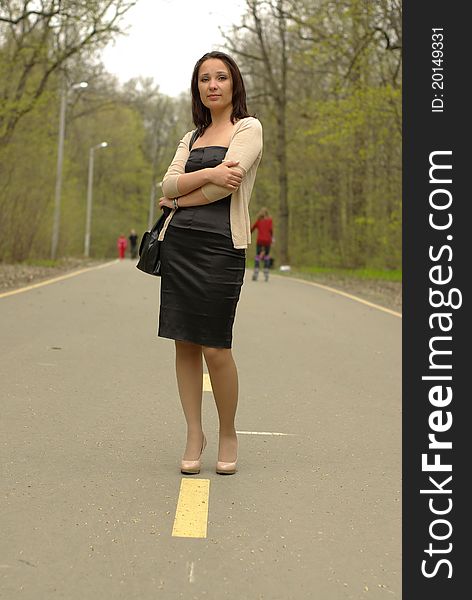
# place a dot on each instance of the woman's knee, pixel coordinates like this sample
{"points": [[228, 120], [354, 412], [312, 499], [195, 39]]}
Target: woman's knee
{"points": [[216, 357], [187, 349]]}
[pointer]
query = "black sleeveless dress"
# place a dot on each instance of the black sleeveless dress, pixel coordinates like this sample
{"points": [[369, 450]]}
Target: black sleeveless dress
{"points": [[201, 272]]}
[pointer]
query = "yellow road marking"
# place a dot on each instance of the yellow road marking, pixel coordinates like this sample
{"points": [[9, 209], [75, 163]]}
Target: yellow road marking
{"points": [[340, 293], [191, 515], [55, 279], [207, 383]]}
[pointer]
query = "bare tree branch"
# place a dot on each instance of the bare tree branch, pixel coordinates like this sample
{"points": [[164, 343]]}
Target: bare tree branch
{"points": [[26, 15], [40, 43], [389, 46]]}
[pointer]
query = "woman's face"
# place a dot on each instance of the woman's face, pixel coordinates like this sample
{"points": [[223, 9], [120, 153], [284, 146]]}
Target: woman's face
{"points": [[215, 84]]}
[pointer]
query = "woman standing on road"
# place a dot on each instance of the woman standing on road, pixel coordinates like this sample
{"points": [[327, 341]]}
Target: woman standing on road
{"points": [[208, 186]]}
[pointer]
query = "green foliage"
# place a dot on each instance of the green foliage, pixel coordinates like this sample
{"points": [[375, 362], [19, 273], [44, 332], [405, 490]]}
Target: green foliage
{"points": [[342, 109], [369, 274], [343, 128], [27, 187], [121, 180], [39, 41]]}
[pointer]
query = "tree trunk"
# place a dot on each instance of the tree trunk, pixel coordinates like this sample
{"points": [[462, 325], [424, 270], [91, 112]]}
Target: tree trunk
{"points": [[282, 226], [281, 104]]}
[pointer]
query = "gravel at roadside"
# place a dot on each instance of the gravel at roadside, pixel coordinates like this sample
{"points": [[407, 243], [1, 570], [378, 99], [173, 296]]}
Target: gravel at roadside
{"points": [[13, 276], [384, 293]]}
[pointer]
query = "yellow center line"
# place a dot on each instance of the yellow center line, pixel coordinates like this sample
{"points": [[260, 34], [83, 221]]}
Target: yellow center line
{"points": [[55, 279], [191, 515], [206, 383]]}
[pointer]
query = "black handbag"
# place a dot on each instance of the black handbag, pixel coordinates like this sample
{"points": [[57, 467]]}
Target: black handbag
{"points": [[150, 247]]}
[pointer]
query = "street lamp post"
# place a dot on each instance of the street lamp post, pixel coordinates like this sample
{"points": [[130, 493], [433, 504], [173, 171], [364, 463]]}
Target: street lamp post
{"points": [[60, 157], [88, 220], [151, 203], [155, 156]]}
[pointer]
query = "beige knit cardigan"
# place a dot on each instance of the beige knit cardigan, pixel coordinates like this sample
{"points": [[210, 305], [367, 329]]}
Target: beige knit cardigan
{"points": [[246, 147]]}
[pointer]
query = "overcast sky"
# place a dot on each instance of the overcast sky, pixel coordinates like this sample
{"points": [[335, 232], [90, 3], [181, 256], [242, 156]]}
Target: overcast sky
{"points": [[166, 38]]}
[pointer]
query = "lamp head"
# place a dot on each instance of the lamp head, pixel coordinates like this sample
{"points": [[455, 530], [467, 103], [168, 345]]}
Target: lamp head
{"points": [[81, 84]]}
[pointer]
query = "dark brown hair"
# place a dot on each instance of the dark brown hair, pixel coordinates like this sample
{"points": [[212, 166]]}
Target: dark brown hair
{"points": [[201, 114]]}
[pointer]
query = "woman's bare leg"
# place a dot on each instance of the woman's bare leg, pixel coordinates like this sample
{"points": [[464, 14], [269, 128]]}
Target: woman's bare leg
{"points": [[189, 371], [224, 382]]}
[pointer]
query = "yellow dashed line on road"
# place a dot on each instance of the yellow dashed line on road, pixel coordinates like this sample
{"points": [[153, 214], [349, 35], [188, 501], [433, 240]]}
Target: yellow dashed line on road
{"points": [[206, 383], [191, 515], [55, 279]]}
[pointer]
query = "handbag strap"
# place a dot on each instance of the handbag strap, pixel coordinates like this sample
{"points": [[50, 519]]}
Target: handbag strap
{"points": [[193, 139]]}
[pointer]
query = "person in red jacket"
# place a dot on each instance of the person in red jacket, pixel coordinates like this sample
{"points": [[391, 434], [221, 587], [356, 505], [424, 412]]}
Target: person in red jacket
{"points": [[265, 236], [121, 245]]}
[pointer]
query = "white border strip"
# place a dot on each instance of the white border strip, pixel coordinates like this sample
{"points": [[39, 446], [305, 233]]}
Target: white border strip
{"points": [[345, 294], [263, 433], [55, 279]]}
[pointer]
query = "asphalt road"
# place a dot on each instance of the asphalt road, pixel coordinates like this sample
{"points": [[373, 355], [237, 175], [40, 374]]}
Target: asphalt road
{"points": [[92, 435]]}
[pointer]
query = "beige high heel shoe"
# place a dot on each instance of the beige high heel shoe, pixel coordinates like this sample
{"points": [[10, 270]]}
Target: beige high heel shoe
{"points": [[226, 468], [192, 467]]}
